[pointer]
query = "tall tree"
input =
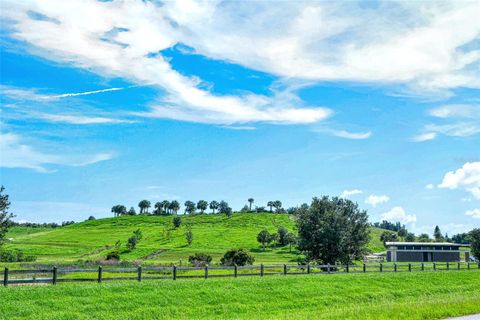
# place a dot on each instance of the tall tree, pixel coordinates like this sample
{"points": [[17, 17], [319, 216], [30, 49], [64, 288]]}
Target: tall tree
{"points": [[264, 237], [277, 205], [132, 211], [5, 216], [402, 233], [474, 237], [437, 234], [165, 205], [291, 240], [119, 210], [174, 206], [388, 236], [202, 205], [144, 205], [158, 208], [270, 204], [214, 206], [333, 230], [224, 208], [282, 233], [189, 207], [250, 201]]}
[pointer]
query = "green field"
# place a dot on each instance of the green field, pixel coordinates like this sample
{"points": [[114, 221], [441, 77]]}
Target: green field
{"points": [[161, 243], [428, 295]]}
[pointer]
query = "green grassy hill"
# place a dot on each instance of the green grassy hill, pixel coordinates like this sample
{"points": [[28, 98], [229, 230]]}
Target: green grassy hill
{"points": [[161, 243]]}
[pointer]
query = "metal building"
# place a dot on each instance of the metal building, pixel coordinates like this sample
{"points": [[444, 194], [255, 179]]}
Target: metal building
{"points": [[423, 251]]}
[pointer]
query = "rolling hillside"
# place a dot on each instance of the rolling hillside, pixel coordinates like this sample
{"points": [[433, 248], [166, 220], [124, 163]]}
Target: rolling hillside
{"points": [[161, 243]]}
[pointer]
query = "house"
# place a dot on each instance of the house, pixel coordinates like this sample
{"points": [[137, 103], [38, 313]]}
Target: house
{"points": [[424, 252]]}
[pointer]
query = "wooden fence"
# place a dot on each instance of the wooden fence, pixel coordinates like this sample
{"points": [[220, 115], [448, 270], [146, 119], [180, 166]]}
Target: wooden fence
{"points": [[57, 275]]}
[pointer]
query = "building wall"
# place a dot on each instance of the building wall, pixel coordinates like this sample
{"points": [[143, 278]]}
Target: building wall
{"points": [[417, 256]]}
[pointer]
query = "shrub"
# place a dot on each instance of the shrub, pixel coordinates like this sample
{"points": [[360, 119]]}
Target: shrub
{"points": [[189, 236], [15, 255], [200, 259], [177, 221], [239, 257], [113, 255], [282, 236], [132, 242]]}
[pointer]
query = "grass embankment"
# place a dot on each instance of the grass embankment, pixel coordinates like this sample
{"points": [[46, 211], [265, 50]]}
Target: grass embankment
{"points": [[161, 243], [426, 295]]}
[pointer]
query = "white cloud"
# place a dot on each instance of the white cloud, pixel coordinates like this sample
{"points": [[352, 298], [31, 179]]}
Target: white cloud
{"points": [[475, 213], [348, 193], [16, 154], [467, 177], [296, 41], [398, 214], [430, 186], [351, 135], [425, 137], [375, 200], [456, 111], [78, 119]]}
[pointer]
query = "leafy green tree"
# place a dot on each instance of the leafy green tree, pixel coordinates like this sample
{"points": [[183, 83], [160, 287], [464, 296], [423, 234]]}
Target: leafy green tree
{"points": [[388, 236], [224, 208], [282, 233], [437, 234], [144, 205], [244, 209], [260, 209], [277, 205], [274, 238], [200, 259], [132, 211], [239, 257], [119, 210], [474, 237], [290, 239], [174, 206], [189, 236], [410, 237], [251, 201], [91, 218], [402, 233], [134, 239], [177, 221], [214, 206], [158, 208], [423, 238], [270, 204], [189, 207], [264, 238], [5, 216], [202, 205], [165, 205], [332, 230]]}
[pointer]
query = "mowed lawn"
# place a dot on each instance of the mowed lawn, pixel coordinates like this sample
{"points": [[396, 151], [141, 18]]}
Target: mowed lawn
{"points": [[161, 243], [427, 295]]}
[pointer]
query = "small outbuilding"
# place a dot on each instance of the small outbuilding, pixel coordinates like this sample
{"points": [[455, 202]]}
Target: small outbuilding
{"points": [[423, 252]]}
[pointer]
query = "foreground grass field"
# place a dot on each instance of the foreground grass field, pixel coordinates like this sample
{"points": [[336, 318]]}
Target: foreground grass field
{"points": [[161, 243], [429, 295]]}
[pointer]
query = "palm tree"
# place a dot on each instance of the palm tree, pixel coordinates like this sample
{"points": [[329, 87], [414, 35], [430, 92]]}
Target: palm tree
{"points": [[119, 210], [165, 204], [144, 205], [189, 207], [270, 204], [278, 205], [214, 206], [174, 206], [251, 200], [158, 208], [202, 205]]}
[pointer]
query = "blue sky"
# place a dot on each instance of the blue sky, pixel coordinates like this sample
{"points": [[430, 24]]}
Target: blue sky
{"points": [[378, 102]]}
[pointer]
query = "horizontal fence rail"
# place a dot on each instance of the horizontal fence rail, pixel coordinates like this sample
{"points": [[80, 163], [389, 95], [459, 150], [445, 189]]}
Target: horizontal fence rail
{"points": [[57, 275]]}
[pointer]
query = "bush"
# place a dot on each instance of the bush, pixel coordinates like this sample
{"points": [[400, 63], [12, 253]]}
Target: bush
{"points": [[132, 243], [239, 257], [200, 259], [15, 255], [113, 255], [177, 221]]}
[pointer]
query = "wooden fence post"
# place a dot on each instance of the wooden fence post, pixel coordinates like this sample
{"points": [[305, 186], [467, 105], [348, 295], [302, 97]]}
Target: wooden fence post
{"points": [[174, 272], [99, 274], [328, 267], [206, 271], [381, 267], [448, 265], [423, 266], [478, 265], [139, 273], [285, 269], [468, 265], [235, 270], [54, 276], [261, 270], [434, 266], [5, 277], [458, 266], [409, 267], [395, 267], [347, 268], [364, 267], [308, 267]]}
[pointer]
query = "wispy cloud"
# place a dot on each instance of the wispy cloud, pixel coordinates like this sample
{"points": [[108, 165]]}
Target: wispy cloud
{"points": [[456, 111], [349, 193], [425, 137], [375, 200], [17, 154], [474, 213], [78, 119]]}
